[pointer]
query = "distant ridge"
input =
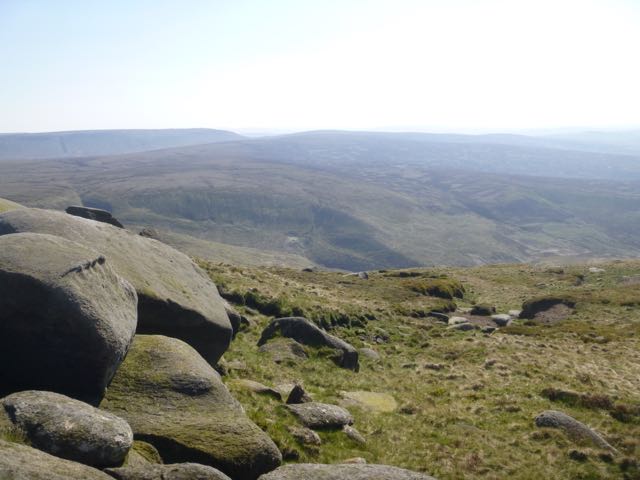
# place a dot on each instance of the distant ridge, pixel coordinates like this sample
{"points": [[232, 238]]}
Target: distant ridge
{"points": [[104, 142]]}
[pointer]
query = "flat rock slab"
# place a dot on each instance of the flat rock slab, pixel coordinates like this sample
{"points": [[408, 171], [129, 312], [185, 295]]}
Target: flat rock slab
{"points": [[256, 387], [68, 428], [96, 214], [176, 297], [178, 471], [321, 415], [308, 333], [284, 350], [176, 401], [310, 471], [18, 462], [66, 317], [572, 427], [378, 402]]}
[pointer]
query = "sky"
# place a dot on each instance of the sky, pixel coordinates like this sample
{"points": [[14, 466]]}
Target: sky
{"points": [[441, 65]]}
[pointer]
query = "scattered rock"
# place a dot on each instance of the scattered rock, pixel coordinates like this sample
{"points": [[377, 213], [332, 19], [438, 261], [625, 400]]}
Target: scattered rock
{"points": [[313, 471], [483, 309], [369, 353], [515, 313], [572, 427], [307, 333], [434, 366], [501, 319], [353, 434], [298, 395], [174, 400], [238, 322], [149, 232], [175, 297], [457, 320], [321, 415], [305, 435], [178, 471], [547, 309], [596, 270], [284, 349], [378, 402], [69, 428], [463, 327], [443, 317], [96, 214], [66, 317], [257, 387], [488, 329], [19, 462]]}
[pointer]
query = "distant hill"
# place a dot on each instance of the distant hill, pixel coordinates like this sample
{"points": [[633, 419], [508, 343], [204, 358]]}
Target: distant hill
{"points": [[103, 142], [358, 200]]}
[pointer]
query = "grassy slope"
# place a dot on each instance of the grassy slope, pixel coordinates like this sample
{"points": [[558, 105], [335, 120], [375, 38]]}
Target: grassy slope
{"points": [[471, 419]]}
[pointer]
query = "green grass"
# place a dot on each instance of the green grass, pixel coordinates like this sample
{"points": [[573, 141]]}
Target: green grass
{"points": [[473, 418]]}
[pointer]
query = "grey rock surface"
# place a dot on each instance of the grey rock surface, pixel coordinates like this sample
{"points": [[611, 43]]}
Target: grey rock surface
{"points": [[66, 317], [308, 333], [572, 427], [321, 415], [309, 471], [19, 462], [177, 471], [96, 214], [174, 400], [68, 428], [176, 297]]}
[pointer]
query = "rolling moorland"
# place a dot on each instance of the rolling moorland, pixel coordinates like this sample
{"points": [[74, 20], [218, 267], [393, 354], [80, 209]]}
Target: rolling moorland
{"points": [[360, 200]]}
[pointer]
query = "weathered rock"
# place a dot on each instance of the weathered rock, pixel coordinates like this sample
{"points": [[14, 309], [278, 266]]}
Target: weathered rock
{"points": [[515, 313], [457, 320], [578, 431], [238, 322], [176, 297], [369, 353], [483, 309], [312, 471], [175, 401], [356, 460], [66, 318], [142, 454], [532, 308], [308, 333], [68, 428], [321, 415], [596, 270], [19, 462], [96, 214], [354, 434], [284, 349], [463, 327], [178, 471], [378, 402], [149, 232], [501, 319], [443, 317], [298, 395], [305, 435], [488, 329], [257, 387]]}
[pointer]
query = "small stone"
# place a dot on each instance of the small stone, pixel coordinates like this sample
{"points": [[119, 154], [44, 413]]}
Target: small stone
{"points": [[353, 434], [457, 320], [501, 319], [305, 435], [298, 395]]}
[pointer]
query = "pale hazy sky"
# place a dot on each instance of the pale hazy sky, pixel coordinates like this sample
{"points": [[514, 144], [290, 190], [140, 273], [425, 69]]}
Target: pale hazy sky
{"points": [[302, 64]]}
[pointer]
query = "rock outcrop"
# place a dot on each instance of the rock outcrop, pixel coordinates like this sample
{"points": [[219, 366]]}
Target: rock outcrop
{"points": [[321, 415], [178, 471], [68, 428], [309, 471], [19, 462], [573, 428], [96, 214], [175, 401], [66, 318], [176, 298], [308, 333]]}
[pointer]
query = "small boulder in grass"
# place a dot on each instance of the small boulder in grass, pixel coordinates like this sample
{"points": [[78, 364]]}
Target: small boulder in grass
{"points": [[482, 309], [576, 430]]}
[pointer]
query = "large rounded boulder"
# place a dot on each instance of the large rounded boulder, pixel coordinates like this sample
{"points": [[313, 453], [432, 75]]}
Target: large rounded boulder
{"points": [[177, 402], [18, 462], [69, 428], [66, 318], [176, 297]]}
